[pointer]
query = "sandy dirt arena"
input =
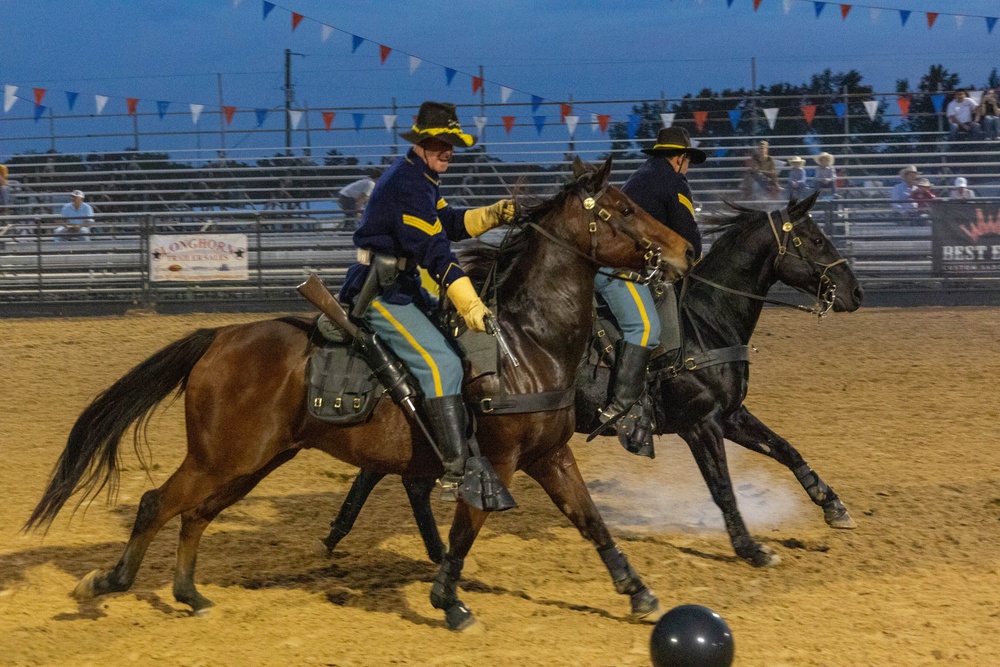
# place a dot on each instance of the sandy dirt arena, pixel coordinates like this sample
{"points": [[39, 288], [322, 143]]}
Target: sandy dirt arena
{"points": [[896, 409]]}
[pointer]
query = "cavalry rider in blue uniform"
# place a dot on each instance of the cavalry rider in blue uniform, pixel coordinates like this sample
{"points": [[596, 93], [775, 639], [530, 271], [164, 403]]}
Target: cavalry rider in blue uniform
{"points": [[660, 187], [409, 224]]}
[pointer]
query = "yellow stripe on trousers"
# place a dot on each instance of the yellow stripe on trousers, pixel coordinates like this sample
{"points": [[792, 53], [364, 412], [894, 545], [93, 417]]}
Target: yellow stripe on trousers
{"points": [[438, 390], [642, 312]]}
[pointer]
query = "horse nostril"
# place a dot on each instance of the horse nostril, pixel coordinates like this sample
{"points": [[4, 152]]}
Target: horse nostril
{"points": [[859, 293], [689, 256]]}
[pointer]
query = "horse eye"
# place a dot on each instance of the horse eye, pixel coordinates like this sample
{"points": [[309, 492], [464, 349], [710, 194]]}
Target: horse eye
{"points": [[818, 241], [628, 211]]}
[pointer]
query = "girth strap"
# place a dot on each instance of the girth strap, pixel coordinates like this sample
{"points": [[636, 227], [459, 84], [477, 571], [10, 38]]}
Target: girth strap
{"points": [[723, 355], [510, 404]]}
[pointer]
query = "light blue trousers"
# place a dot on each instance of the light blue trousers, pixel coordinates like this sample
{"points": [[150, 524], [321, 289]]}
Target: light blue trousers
{"points": [[633, 307]]}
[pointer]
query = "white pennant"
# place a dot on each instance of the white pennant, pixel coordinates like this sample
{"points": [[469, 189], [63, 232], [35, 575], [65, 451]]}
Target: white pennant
{"points": [[959, 20], [326, 31], [99, 102], [480, 122], [975, 96], [594, 126], [236, 3], [871, 106], [504, 94], [9, 97], [788, 6], [296, 117], [667, 119], [772, 116], [571, 122], [196, 112], [390, 121], [414, 64], [875, 12]]}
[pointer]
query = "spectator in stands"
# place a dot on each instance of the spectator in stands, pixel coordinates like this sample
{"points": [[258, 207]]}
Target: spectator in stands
{"points": [[900, 196], [78, 216], [961, 114], [825, 178], [988, 114], [761, 180], [354, 196], [922, 195], [961, 190], [796, 178]]}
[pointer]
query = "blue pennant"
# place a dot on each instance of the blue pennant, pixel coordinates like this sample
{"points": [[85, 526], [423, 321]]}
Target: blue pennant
{"points": [[356, 42], [634, 120], [904, 15], [359, 118], [729, 3], [261, 115], [449, 74], [721, 152], [734, 117], [819, 8], [938, 102], [70, 99], [536, 102], [268, 8], [39, 110], [161, 108], [840, 108], [991, 22], [539, 123]]}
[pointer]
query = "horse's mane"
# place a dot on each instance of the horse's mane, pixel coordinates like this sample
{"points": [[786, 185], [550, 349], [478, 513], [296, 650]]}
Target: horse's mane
{"points": [[730, 226]]}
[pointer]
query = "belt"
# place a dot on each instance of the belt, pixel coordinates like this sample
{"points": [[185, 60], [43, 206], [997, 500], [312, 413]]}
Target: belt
{"points": [[365, 257]]}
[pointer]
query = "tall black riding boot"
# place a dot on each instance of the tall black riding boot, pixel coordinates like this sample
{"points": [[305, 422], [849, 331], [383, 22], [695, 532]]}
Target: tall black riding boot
{"points": [[628, 380]]}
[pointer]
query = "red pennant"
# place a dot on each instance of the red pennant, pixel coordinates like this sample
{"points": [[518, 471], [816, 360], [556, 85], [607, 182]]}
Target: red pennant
{"points": [[904, 105], [296, 20], [700, 117], [602, 121], [384, 51], [565, 110], [756, 4], [39, 96], [508, 122], [131, 102], [477, 83], [328, 118], [845, 10], [931, 18], [228, 113], [809, 112]]}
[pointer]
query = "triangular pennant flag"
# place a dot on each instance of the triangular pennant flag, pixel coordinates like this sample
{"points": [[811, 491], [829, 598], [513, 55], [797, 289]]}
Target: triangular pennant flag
{"points": [[236, 3], [356, 42], [359, 118], [70, 99], [904, 105], [603, 119], [571, 122], [991, 22], [818, 6], [477, 83], [296, 20], [161, 108], [505, 94], [130, 104], [729, 3], [840, 108], [414, 64], [871, 106], [261, 116], [756, 4], [771, 114], [634, 120], [721, 152], [384, 51], [508, 122], [449, 74], [9, 97], [196, 110], [536, 102], [734, 117], [39, 95], [931, 18], [325, 32], [296, 116], [788, 5], [938, 102], [809, 112], [268, 8], [480, 122], [390, 121], [844, 10], [904, 15], [667, 119], [593, 122], [976, 96], [876, 12], [328, 117], [564, 110], [700, 117], [539, 123], [959, 21], [228, 113], [39, 110], [99, 102]]}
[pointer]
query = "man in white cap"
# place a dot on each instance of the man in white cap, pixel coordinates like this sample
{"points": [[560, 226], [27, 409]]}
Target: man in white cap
{"points": [[962, 190], [902, 202], [78, 216]]}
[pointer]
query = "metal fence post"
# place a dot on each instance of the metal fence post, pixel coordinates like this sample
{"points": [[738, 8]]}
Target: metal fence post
{"points": [[38, 256], [146, 296], [260, 258]]}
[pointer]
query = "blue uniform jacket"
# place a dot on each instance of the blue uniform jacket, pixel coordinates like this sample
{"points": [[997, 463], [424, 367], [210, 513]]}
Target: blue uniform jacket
{"points": [[665, 194], [406, 217]]}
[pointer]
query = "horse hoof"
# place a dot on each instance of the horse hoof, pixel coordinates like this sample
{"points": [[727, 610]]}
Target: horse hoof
{"points": [[646, 607], [85, 589], [837, 516], [764, 556], [459, 618], [321, 550]]}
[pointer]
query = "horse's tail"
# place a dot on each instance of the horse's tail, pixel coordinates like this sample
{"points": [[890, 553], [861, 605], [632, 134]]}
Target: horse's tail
{"points": [[91, 452]]}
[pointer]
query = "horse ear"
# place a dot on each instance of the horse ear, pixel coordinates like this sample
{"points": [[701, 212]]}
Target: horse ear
{"points": [[806, 204], [601, 177], [579, 167]]}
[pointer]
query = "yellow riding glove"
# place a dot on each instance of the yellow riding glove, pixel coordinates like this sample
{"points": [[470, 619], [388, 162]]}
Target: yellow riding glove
{"points": [[481, 220], [468, 304]]}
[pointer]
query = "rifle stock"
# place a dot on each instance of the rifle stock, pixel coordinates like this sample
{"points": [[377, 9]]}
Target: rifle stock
{"points": [[318, 295]]}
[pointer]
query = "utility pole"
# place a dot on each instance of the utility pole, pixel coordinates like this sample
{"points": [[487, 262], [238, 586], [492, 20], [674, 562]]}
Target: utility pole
{"points": [[572, 144], [395, 137], [482, 109], [289, 95], [222, 119]]}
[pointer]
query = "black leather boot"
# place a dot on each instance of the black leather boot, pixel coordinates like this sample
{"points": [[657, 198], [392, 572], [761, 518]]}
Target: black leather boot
{"points": [[628, 380]]}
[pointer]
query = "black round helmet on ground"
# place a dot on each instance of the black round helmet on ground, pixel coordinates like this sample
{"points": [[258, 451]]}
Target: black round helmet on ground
{"points": [[691, 636]]}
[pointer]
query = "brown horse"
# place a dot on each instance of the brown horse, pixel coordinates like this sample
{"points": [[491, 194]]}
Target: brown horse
{"points": [[245, 402]]}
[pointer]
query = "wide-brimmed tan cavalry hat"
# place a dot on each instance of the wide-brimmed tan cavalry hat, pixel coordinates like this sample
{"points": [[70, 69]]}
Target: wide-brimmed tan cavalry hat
{"points": [[824, 159], [909, 170], [796, 160], [674, 139], [438, 120]]}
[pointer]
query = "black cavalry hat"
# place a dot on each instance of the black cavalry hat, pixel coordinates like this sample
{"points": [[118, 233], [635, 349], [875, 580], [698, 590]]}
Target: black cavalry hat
{"points": [[673, 140], [438, 120]]}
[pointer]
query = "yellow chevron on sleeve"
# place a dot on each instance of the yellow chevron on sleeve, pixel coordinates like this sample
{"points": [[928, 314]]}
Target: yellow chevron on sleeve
{"points": [[687, 202], [441, 203], [422, 225]]}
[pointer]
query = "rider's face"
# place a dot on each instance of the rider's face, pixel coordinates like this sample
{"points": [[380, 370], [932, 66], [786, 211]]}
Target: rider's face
{"points": [[681, 163], [436, 153]]}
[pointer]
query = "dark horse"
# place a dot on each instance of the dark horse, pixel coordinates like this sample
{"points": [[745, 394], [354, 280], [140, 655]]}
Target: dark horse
{"points": [[719, 311], [245, 402]]}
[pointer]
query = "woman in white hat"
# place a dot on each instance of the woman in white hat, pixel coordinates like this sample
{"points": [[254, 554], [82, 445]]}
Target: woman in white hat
{"points": [[962, 190], [825, 178], [796, 178]]}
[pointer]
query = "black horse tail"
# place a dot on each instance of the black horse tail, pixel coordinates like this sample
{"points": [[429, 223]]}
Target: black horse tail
{"points": [[91, 452]]}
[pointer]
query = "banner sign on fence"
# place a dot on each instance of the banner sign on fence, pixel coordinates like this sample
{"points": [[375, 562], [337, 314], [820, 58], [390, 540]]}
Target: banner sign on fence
{"points": [[967, 239], [198, 257]]}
